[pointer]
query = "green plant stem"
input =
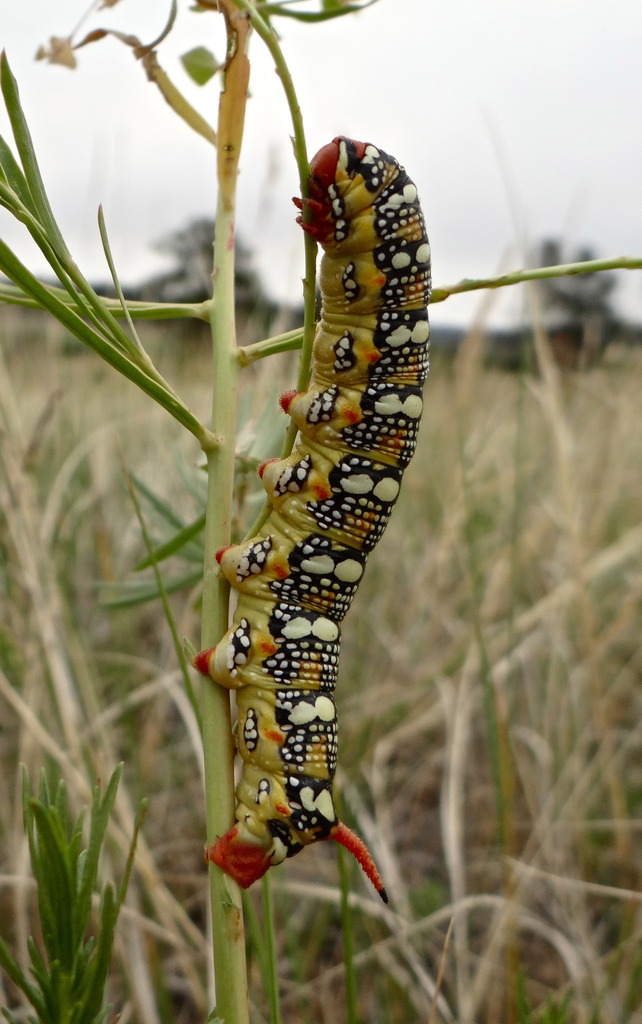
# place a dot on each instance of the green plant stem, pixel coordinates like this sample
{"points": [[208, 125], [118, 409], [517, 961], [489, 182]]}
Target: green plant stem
{"points": [[537, 274], [269, 954], [176, 100], [227, 914], [270, 39], [287, 342], [15, 296], [347, 931]]}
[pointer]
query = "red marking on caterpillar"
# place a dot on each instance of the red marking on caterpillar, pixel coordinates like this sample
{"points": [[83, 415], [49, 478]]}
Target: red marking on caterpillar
{"points": [[264, 465], [320, 491], [267, 647], [323, 166], [286, 399], [202, 661], [331, 500], [274, 735], [245, 862]]}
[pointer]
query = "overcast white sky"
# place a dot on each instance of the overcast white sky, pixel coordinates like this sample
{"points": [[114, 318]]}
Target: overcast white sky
{"points": [[518, 119]]}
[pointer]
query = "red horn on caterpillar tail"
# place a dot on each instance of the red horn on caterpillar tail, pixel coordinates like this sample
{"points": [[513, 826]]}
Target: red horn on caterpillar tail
{"points": [[331, 500]]}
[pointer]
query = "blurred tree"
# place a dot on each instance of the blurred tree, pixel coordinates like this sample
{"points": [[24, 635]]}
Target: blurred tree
{"points": [[190, 277], [578, 311]]}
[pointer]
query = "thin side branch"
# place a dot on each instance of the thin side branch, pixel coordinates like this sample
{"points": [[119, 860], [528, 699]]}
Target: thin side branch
{"points": [[537, 274]]}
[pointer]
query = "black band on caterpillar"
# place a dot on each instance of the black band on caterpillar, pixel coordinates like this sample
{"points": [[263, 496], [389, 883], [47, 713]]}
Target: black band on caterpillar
{"points": [[331, 501]]}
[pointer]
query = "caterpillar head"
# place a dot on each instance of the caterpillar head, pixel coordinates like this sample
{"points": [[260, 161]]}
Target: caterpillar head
{"points": [[319, 212], [345, 177], [324, 165]]}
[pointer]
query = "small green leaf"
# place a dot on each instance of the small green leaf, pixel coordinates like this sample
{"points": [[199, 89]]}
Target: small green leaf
{"points": [[189, 650], [164, 508], [70, 976], [39, 201], [128, 594], [13, 175], [170, 547], [200, 64], [329, 9]]}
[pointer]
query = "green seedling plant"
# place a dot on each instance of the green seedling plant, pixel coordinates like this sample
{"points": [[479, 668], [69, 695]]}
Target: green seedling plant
{"points": [[69, 972], [70, 978]]}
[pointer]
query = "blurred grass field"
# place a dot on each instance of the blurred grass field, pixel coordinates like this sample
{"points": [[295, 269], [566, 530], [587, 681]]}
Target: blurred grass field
{"points": [[489, 697]]}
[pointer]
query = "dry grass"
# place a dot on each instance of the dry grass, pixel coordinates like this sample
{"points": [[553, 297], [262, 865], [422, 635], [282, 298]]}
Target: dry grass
{"points": [[490, 703]]}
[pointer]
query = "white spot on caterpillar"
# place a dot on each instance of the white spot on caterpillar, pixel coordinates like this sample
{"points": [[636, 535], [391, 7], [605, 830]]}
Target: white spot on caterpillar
{"points": [[325, 709], [413, 406], [399, 336], [420, 332], [320, 564], [359, 483], [391, 405], [325, 629], [307, 798], [349, 571], [323, 803], [393, 202], [304, 713], [279, 851], [400, 259], [299, 628], [387, 489], [423, 252]]}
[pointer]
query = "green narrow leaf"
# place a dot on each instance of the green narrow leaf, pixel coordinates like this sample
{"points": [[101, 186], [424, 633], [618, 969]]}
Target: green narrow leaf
{"points": [[138, 824], [61, 805], [20, 980], [13, 173], [330, 9], [131, 593], [163, 508], [100, 813], [27, 154], [200, 64], [102, 227], [95, 977], [170, 547], [137, 310], [38, 999], [56, 891]]}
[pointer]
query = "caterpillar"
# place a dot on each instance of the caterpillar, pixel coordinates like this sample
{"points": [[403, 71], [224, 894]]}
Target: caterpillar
{"points": [[330, 503]]}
